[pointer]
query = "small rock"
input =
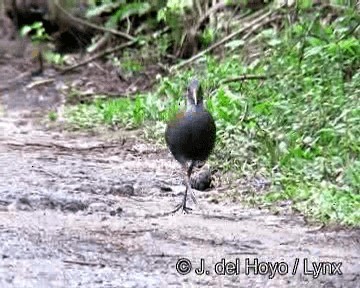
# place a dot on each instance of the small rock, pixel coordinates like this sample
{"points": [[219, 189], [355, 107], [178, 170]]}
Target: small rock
{"points": [[22, 204], [165, 189], [98, 207], [201, 180], [4, 208], [4, 202], [4, 205], [118, 211], [215, 201], [122, 190], [74, 206], [47, 203]]}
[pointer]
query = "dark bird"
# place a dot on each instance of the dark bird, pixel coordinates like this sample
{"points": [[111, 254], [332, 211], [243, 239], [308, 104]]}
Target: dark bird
{"points": [[191, 136]]}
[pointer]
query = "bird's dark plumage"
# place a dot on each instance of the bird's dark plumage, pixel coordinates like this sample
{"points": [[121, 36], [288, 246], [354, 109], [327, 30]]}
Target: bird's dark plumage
{"points": [[191, 135]]}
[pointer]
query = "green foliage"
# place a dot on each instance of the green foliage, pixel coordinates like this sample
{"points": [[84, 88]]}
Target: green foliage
{"points": [[304, 4], [300, 128], [123, 112], [178, 15], [173, 8], [37, 32], [128, 63], [208, 36], [52, 116], [106, 6], [54, 58], [129, 9]]}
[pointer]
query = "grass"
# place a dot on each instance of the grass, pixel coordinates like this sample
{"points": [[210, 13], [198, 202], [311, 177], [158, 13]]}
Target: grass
{"points": [[300, 128], [52, 116]]}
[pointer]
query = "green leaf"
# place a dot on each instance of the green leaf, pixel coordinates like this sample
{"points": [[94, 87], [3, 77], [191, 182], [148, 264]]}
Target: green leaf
{"points": [[128, 10]]}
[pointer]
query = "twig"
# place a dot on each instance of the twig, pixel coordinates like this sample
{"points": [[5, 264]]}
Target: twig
{"points": [[259, 25], [94, 26], [46, 172], [246, 77], [247, 17], [83, 263], [40, 82], [208, 13], [348, 33], [100, 68], [227, 24], [198, 7], [98, 45], [131, 87], [222, 41], [99, 55], [163, 67], [56, 145], [246, 110], [128, 22], [222, 5]]}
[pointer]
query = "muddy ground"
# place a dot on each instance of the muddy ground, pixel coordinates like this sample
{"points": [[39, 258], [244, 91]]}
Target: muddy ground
{"points": [[86, 210]]}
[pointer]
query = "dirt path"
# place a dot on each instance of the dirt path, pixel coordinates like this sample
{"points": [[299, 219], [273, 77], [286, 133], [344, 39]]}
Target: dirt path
{"points": [[90, 217], [76, 214]]}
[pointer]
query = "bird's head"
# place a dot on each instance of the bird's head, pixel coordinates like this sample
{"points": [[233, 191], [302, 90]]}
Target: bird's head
{"points": [[194, 95]]}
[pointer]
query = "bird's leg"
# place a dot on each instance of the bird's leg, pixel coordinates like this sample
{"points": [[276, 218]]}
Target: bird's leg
{"points": [[188, 175], [188, 187]]}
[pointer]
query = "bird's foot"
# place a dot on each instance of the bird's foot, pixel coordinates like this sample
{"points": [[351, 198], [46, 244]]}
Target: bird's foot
{"points": [[192, 194], [182, 206]]}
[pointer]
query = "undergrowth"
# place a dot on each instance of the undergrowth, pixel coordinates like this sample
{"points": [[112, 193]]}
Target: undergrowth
{"points": [[300, 127]]}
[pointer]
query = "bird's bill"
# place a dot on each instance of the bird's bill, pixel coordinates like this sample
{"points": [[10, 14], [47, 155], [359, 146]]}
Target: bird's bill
{"points": [[195, 97]]}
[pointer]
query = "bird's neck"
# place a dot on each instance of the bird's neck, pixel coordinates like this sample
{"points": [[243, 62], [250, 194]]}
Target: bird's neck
{"points": [[195, 108]]}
